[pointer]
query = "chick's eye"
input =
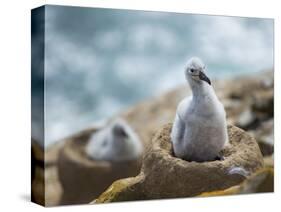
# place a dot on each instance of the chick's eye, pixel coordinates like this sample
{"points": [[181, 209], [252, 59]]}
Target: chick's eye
{"points": [[192, 70]]}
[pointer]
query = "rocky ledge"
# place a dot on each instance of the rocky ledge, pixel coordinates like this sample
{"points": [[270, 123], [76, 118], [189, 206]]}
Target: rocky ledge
{"points": [[165, 176]]}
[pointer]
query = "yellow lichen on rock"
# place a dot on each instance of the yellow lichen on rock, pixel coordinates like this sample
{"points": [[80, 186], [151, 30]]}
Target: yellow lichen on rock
{"points": [[120, 190]]}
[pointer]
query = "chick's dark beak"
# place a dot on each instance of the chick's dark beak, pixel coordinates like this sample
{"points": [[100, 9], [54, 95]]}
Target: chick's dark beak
{"points": [[202, 76]]}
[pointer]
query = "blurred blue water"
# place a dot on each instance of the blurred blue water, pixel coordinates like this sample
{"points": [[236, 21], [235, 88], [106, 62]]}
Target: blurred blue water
{"points": [[100, 61]]}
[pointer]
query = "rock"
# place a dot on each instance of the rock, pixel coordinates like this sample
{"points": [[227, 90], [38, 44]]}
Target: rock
{"points": [[246, 119], [266, 148], [263, 103], [164, 176], [269, 161], [45, 186], [260, 182], [240, 87], [84, 179], [123, 190], [268, 83], [254, 93], [265, 137]]}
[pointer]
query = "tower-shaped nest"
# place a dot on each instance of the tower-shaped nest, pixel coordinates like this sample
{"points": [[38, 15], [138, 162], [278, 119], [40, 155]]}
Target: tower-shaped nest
{"points": [[84, 179], [165, 176]]}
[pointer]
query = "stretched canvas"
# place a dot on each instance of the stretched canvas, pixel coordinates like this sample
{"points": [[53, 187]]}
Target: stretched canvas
{"points": [[134, 105]]}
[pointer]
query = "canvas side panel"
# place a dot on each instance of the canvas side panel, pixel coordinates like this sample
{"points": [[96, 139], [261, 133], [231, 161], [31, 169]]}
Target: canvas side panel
{"points": [[37, 105]]}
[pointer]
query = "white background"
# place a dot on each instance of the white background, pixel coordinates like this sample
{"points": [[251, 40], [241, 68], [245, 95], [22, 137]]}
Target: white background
{"points": [[15, 104]]}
